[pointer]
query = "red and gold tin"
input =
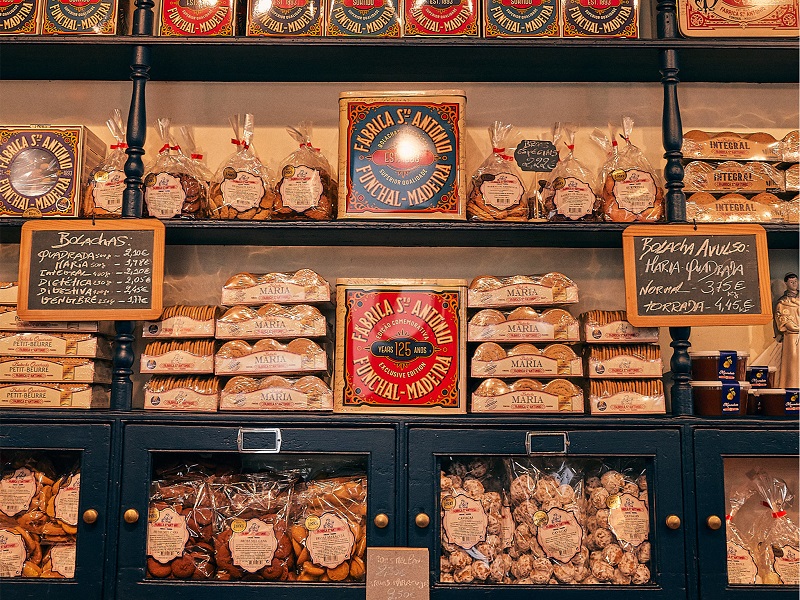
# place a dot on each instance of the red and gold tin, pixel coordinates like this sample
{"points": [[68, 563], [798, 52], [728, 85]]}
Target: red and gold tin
{"points": [[400, 346], [66, 17], [441, 18], [197, 18], [738, 18], [363, 18], [600, 18], [18, 17], [521, 18], [285, 18]]}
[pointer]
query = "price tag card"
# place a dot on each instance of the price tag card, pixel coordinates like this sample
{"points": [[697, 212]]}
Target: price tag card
{"points": [[398, 574], [89, 271], [540, 156]]}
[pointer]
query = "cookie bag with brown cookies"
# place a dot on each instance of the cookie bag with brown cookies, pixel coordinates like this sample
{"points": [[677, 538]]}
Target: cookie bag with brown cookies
{"points": [[242, 186], [497, 192], [102, 196], [307, 188], [781, 536], [630, 189], [195, 154], [172, 186], [569, 193]]}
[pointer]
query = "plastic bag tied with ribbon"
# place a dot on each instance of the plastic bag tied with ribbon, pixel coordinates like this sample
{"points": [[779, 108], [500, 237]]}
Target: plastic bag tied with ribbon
{"points": [[569, 194], [106, 182]]}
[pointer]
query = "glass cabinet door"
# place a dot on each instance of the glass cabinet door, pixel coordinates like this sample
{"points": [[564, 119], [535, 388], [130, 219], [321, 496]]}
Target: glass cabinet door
{"points": [[53, 497], [747, 508], [567, 514], [266, 510]]}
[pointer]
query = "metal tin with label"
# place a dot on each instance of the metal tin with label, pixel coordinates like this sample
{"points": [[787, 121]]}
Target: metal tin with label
{"points": [[521, 18], [738, 18], [286, 18], [400, 346], [197, 17], [441, 18], [18, 17], [62, 17], [601, 18], [401, 155], [364, 18], [40, 169]]}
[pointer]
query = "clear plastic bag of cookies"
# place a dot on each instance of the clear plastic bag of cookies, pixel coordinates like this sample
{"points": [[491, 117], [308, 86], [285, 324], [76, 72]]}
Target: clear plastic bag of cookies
{"points": [[624, 361], [569, 193], [618, 521], [630, 188], [497, 192], [172, 186], [780, 549], [195, 154], [105, 184], [303, 286], [307, 188], [626, 396], [242, 186], [271, 320], [276, 393], [329, 529], [742, 546], [477, 530], [764, 207], [524, 323]]}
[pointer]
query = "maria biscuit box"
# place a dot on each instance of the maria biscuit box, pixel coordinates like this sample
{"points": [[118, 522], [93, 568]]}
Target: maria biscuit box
{"points": [[441, 18], [400, 346], [18, 17], [64, 17], [41, 169], [521, 18], [197, 18], [738, 18], [401, 155]]}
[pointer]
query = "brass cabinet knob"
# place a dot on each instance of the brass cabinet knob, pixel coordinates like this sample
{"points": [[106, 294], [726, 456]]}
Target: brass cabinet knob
{"points": [[422, 520], [381, 521], [131, 515], [714, 522], [90, 516], [673, 521]]}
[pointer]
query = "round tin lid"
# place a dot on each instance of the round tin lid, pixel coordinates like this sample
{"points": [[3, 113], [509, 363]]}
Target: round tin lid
{"points": [[745, 385]]}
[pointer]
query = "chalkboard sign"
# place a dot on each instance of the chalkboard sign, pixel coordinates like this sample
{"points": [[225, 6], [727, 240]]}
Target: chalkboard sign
{"points": [[398, 574], [85, 271], [682, 275], [540, 156]]}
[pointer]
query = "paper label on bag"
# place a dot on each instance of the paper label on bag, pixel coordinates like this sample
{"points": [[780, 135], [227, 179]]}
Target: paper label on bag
{"points": [[242, 192], [464, 521], [624, 366], [629, 519], [787, 565], [17, 491], [164, 197], [330, 539], [637, 192], [252, 544], [166, 534], [503, 192], [507, 527], [742, 568], [518, 294], [66, 500], [619, 331], [558, 533], [107, 190], [181, 399], [300, 188], [12, 553], [573, 198], [63, 559]]}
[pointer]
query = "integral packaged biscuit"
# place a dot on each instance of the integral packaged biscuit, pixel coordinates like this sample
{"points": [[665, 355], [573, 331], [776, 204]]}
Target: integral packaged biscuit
{"points": [[19, 18], [300, 287], [624, 361], [69, 17], [10, 321], [193, 356], [527, 396], [180, 18], [626, 397], [41, 169], [523, 324], [269, 356], [81, 345], [78, 370], [525, 360], [600, 18], [757, 18], [273, 321], [727, 145], [54, 395], [732, 176], [102, 196], [612, 327], [521, 18], [194, 394], [495, 291], [441, 18], [364, 18], [763, 207], [181, 321], [285, 18], [276, 393], [401, 155]]}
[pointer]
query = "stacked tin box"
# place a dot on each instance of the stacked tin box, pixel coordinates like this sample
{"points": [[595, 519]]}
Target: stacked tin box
{"points": [[274, 342], [180, 355], [49, 364], [624, 365], [524, 355]]}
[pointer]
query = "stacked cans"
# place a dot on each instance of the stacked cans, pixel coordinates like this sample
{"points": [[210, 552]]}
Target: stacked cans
{"points": [[274, 342], [624, 365], [50, 364], [180, 355], [524, 358]]}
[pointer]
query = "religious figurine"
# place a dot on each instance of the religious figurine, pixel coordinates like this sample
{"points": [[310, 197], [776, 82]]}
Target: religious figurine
{"points": [[787, 322]]}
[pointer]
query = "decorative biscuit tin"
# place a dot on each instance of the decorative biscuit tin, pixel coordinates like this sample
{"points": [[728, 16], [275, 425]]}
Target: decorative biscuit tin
{"points": [[18, 17], [521, 18], [400, 346], [601, 18], [197, 17], [738, 18], [401, 155], [441, 18], [63, 17], [288, 18], [40, 169], [364, 18]]}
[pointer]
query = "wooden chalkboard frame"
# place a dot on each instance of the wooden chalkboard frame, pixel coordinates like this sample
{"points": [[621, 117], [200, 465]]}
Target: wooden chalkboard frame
{"points": [[661, 231], [30, 228]]}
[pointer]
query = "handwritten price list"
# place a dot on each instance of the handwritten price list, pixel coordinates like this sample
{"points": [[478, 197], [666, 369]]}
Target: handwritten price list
{"points": [[397, 574]]}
